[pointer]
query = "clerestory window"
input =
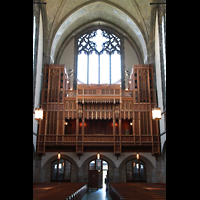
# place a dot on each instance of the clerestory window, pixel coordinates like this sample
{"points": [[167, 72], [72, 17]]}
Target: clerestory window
{"points": [[99, 58]]}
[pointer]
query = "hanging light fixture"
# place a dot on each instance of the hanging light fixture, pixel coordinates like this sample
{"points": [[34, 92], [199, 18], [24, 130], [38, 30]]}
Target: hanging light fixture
{"points": [[156, 113], [59, 156], [98, 156], [38, 114], [138, 156], [98, 162]]}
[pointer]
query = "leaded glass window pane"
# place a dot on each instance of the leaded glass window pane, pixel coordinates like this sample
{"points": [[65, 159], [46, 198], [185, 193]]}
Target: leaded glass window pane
{"points": [[135, 170], [92, 165], [115, 67], [82, 67], [104, 69], [93, 68], [99, 58], [67, 170]]}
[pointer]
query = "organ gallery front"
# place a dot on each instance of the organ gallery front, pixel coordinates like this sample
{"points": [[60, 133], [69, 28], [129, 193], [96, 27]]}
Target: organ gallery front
{"points": [[98, 117]]}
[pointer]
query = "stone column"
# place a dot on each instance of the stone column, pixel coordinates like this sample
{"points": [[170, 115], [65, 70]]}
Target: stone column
{"points": [[36, 18], [37, 169]]}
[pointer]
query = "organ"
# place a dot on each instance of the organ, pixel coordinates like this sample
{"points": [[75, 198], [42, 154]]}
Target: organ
{"points": [[98, 117]]}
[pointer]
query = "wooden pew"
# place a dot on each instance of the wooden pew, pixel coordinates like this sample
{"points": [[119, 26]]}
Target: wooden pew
{"points": [[137, 191], [59, 191], [79, 194]]}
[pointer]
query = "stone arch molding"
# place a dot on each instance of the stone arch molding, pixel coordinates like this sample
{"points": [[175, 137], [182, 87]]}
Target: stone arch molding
{"points": [[102, 157], [150, 169], [63, 156], [83, 173], [46, 168], [143, 158], [95, 11]]}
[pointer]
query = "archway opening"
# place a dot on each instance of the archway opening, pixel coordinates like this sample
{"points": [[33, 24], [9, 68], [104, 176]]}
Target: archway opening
{"points": [[61, 170], [98, 171], [135, 171], [105, 173]]}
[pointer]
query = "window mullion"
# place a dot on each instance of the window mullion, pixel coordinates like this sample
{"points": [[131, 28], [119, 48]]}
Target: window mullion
{"points": [[57, 169], [98, 68], [132, 171], [64, 170], [139, 169], [110, 65], [87, 68]]}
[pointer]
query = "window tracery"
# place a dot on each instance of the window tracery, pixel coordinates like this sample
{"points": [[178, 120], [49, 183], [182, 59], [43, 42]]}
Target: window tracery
{"points": [[99, 58], [99, 41]]}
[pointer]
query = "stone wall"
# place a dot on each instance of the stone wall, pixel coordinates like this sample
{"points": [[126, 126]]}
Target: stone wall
{"points": [[155, 169], [161, 166]]}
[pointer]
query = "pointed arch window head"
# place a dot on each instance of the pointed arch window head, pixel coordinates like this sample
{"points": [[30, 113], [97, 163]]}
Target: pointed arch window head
{"points": [[99, 58], [99, 41]]}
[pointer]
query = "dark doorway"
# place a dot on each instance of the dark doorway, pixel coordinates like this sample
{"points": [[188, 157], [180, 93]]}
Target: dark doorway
{"points": [[98, 169], [93, 179]]}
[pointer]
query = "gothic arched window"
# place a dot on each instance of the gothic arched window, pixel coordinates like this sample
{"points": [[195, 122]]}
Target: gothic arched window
{"points": [[61, 170], [99, 58], [135, 171]]}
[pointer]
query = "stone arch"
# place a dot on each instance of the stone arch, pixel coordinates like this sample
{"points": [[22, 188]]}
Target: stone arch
{"points": [[163, 156], [83, 171], [150, 169], [46, 169], [103, 157], [33, 151], [93, 25], [100, 23], [164, 148], [94, 11]]}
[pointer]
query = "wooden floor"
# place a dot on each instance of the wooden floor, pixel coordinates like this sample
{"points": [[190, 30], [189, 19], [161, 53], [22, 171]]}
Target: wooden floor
{"points": [[58, 191], [138, 191]]}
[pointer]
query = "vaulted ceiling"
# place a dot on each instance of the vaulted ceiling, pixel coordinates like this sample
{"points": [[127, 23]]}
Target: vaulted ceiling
{"points": [[66, 18]]}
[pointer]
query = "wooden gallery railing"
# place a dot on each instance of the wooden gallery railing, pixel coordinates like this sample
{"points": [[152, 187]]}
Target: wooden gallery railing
{"points": [[98, 140]]}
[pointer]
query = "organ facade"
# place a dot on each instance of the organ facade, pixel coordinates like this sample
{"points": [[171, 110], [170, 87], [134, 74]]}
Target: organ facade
{"points": [[98, 117]]}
